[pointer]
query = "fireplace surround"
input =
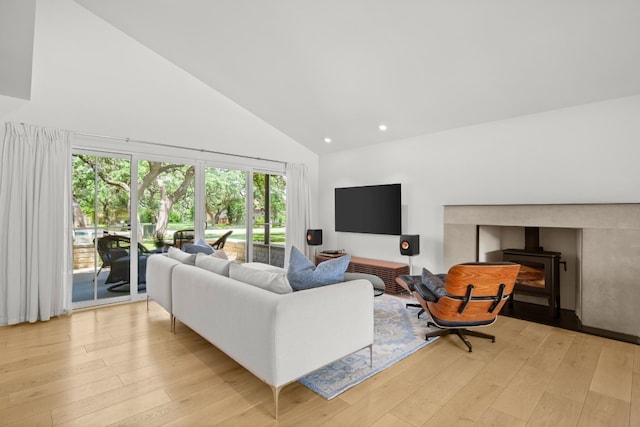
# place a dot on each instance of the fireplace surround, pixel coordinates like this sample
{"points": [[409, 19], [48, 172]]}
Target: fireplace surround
{"points": [[607, 263]]}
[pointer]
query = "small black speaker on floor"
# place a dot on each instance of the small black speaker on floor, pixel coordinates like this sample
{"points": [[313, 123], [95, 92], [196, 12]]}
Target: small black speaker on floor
{"points": [[314, 237], [410, 244]]}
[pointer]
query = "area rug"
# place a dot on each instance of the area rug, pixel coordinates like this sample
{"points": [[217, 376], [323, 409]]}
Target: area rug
{"points": [[397, 333]]}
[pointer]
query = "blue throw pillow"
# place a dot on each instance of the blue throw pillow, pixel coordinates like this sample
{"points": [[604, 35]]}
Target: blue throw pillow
{"points": [[199, 247], [302, 274]]}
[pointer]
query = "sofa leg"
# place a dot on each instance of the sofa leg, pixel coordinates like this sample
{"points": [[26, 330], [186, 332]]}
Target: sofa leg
{"points": [[370, 355], [276, 396], [173, 323]]}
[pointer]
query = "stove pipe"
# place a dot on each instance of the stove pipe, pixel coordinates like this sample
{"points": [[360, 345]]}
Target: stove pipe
{"points": [[532, 239]]}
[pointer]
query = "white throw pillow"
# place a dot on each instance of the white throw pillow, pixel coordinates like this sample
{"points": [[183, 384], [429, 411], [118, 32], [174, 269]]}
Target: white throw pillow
{"points": [[270, 281], [220, 253], [183, 257], [215, 265]]}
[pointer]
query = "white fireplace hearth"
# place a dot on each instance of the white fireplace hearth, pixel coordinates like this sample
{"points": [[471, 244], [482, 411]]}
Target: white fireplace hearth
{"points": [[599, 242]]}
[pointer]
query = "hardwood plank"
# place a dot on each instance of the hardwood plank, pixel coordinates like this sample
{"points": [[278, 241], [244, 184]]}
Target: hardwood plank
{"points": [[554, 410], [34, 382], [613, 373], [122, 410], [370, 408], [420, 406], [635, 401], [18, 410], [390, 421], [92, 404], [522, 394], [495, 418], [468, 405], [316, 411], [573, 377], [603, 410], [175, 409], [41, 419]]}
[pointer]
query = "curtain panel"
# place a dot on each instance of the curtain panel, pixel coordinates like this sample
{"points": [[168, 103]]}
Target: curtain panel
{"points": [[298, 209], [35, 226]]}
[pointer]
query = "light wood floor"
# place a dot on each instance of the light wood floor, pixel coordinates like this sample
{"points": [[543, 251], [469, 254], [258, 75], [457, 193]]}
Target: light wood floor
{"points": [[120, 365]]}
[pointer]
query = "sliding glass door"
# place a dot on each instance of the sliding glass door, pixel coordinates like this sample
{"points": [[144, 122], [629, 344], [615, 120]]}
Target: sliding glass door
{"points": [[101, 228], [225, 202], [247, 209], [269, 222]]}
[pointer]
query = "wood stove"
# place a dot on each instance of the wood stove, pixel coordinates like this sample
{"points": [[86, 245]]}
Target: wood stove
{"points": [[539, 272]]}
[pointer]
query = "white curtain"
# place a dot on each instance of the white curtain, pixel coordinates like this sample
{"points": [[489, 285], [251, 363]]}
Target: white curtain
{"points": [[298, 208], [35, 226]]}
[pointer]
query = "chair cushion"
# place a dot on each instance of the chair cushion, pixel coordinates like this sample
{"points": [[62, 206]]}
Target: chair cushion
{"points": [[117, 253], [434, 283], [268, 280], [302, 274]]}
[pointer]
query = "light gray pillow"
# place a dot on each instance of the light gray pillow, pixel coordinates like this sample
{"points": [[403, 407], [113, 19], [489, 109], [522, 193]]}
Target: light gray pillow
{"points": [[377, 282], [183, 257], [270, 281], [212, 264]]}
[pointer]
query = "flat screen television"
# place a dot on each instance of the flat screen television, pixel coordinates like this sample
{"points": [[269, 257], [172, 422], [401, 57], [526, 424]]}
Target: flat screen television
{"points": [[375, 209]]}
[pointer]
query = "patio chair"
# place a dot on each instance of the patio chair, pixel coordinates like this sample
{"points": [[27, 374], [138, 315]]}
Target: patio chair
{"points": [[181, 237], [219, 244], [115, 252]]}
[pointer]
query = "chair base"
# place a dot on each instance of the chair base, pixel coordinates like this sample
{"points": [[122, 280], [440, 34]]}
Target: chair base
{"points": [[417, 306], [461, 332]]}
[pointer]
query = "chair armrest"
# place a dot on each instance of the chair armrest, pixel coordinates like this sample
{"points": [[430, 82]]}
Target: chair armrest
{"points": [[409, 282]]}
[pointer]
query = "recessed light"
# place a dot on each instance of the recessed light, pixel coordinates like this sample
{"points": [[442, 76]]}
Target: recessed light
{"points": [[382, 127], [327, 140]]}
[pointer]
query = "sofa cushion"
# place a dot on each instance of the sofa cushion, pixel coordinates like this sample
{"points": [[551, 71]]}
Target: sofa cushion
{"points": [[183, 257], [215, 265], [199, 247], [302, 274], [270, 281]]}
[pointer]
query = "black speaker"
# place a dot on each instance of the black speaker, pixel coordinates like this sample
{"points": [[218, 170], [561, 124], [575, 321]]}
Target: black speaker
{"points": [[410, 244], [314, 237]]}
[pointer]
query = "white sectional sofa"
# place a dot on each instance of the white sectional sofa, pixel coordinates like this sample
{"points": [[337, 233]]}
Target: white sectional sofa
{"points": [[278, 337]]}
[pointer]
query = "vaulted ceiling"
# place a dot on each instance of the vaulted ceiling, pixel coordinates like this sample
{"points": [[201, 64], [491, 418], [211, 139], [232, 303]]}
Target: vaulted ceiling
{"points": [[339, 68]]}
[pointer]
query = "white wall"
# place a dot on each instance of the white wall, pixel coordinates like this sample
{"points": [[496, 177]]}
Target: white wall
{"points": [[90, 77], [585, 154]]}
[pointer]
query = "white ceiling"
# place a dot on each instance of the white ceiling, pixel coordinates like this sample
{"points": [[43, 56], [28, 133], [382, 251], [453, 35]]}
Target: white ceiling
{"points": [[16, 46], [339, 68]]}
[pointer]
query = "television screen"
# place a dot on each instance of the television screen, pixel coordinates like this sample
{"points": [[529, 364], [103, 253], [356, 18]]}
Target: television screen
{"points": [[375, 209]]}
